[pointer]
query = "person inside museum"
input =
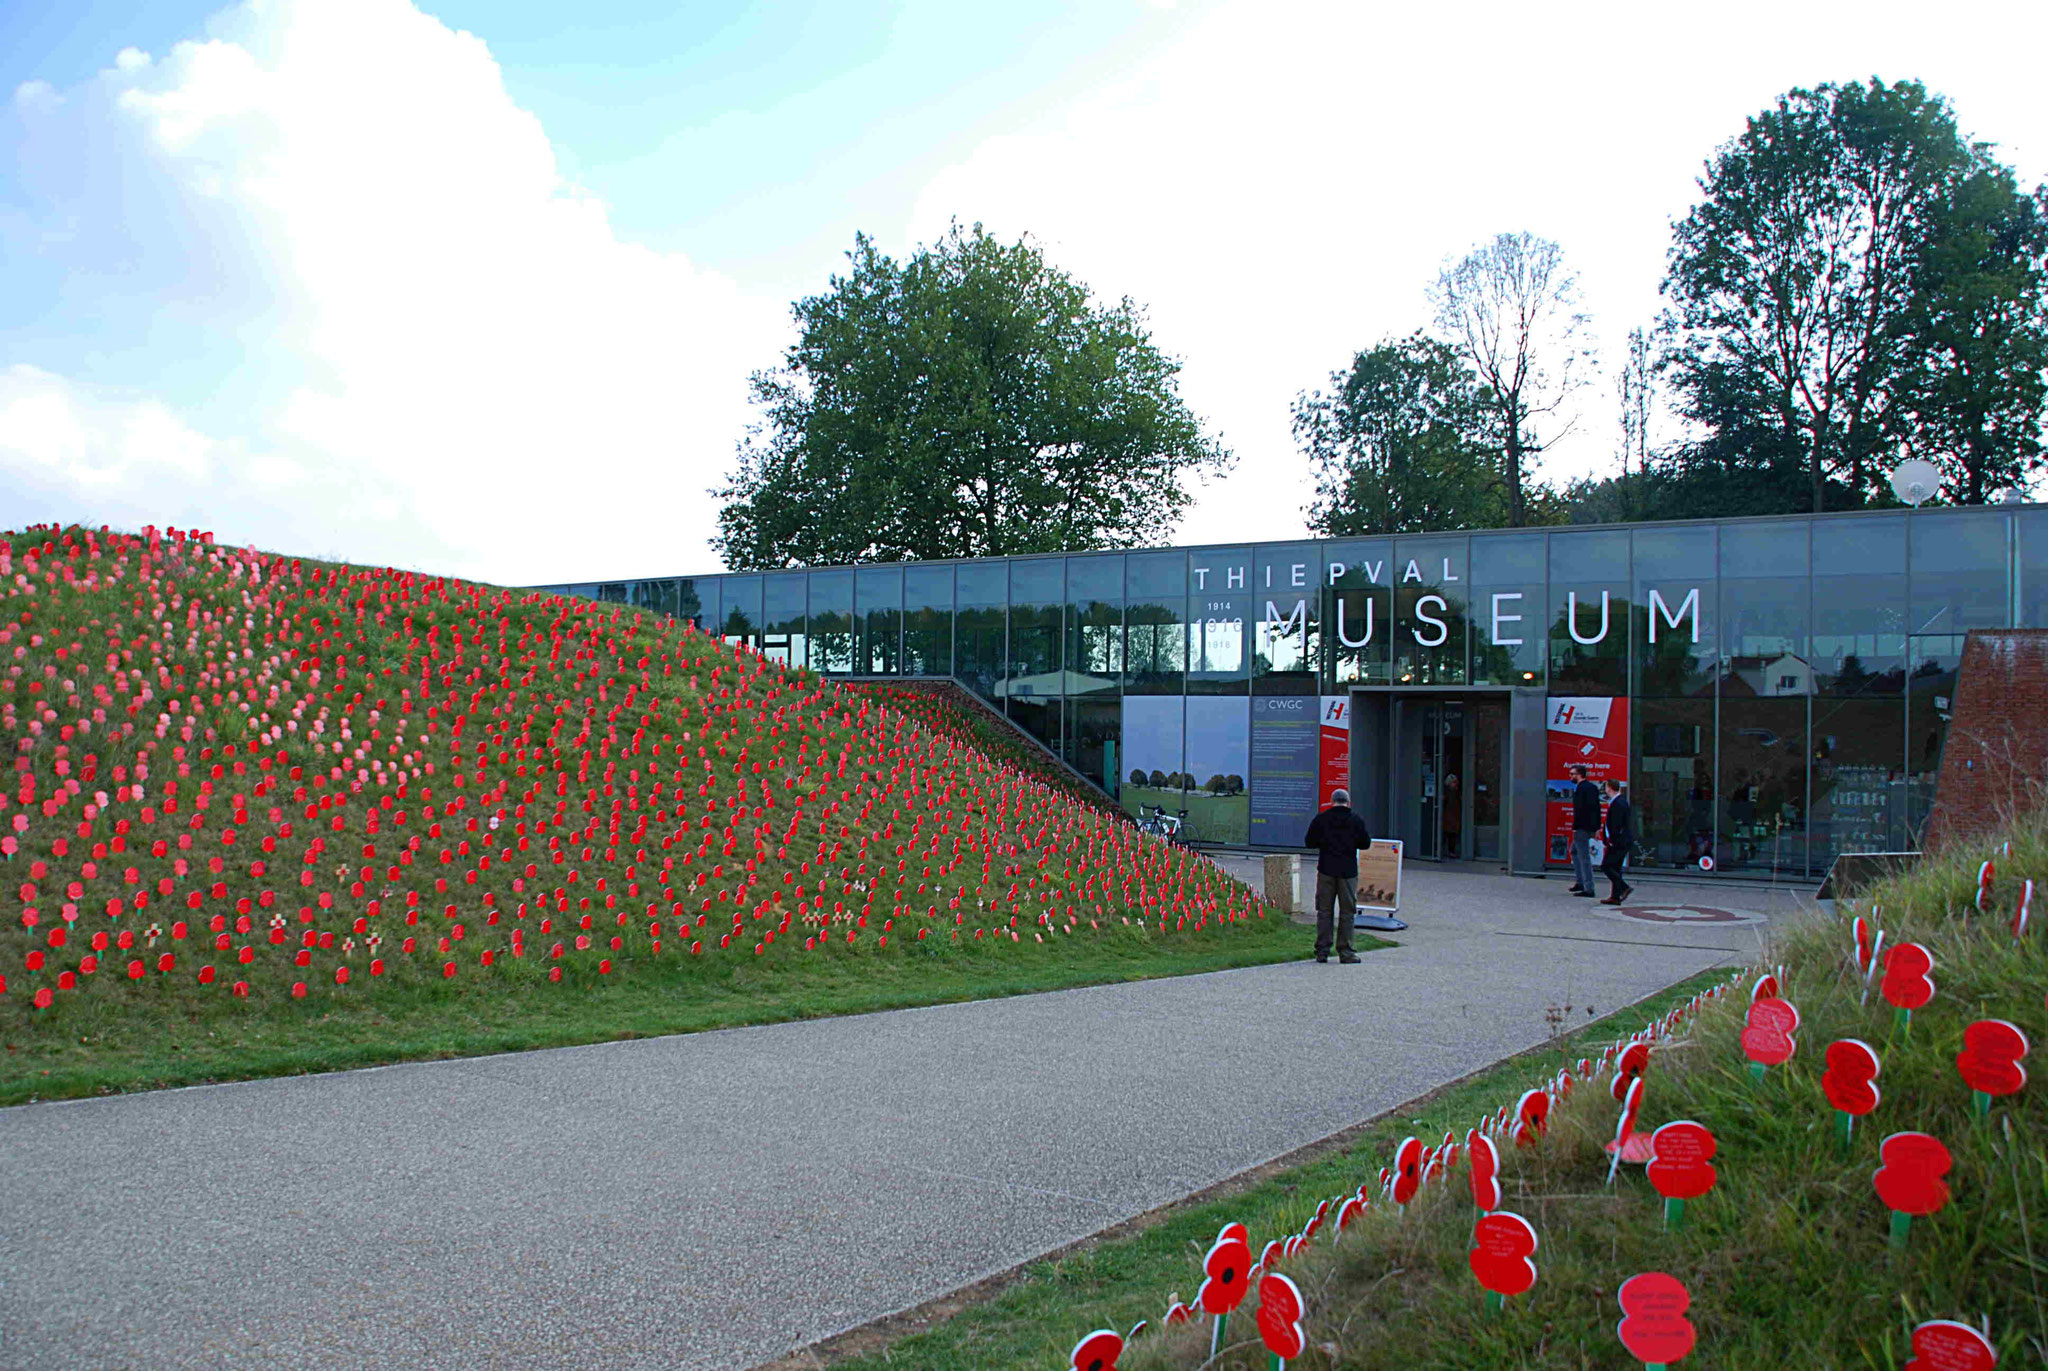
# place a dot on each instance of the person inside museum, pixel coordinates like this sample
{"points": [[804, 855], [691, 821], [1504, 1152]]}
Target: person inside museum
{"points": [[1337, 834], [1454, 814], [1620, 837], [1585, 828]]}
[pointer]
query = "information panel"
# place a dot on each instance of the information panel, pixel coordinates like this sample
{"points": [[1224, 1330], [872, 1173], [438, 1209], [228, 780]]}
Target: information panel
{"points": [[1336, 748], [1286, 741], [1588, 730]]}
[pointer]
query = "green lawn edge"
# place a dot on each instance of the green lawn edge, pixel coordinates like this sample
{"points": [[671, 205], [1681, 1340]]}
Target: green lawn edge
{"points": [[1031, 1316], [436, 1023]]}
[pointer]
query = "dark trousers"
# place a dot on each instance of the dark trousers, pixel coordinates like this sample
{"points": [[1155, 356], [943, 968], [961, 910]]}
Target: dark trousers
{"points": [[1582, 857], [1610, 867], [1341, 891]]}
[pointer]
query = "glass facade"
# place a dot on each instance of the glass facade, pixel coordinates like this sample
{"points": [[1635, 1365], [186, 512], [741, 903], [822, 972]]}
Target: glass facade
{"points": [[1779, 688]]}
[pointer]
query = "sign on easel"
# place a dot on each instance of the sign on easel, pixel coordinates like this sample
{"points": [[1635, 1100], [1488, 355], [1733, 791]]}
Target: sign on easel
{"points": [[1379, 886]]}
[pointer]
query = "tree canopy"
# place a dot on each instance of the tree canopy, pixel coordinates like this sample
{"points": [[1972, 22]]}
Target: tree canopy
{"points": [[971, 401], [1402, 442], [1858, 283]]}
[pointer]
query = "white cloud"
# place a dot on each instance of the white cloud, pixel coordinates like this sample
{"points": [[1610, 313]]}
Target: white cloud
{"points": [[473, 372]]}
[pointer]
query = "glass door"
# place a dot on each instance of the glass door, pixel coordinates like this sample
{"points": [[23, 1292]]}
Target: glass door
{"points": [[1418, 724], [1453, 782]]}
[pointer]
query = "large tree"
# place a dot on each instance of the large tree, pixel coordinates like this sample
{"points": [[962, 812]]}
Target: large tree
{"points": [[1401, 442], [1807, 287], [1976, 381], [1511, 310], [972, 401]]}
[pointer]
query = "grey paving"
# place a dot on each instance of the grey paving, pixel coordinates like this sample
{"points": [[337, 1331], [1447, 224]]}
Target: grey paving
{"points": [[714, 1201]]}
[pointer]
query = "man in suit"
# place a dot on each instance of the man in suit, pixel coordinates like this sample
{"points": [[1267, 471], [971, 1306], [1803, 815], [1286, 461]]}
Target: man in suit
{"points": [[1336, 834], [1621, 836], [1585, 828]]}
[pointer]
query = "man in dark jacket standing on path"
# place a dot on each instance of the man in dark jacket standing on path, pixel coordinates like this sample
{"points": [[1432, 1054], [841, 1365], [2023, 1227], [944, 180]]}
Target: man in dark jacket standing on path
{"points": [[1337, 834], [1585, 828], [1621, 836]]}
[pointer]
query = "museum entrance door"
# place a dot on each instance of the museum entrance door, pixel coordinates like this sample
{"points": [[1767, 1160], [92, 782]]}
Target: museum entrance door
{"points": [[1447, 773]]}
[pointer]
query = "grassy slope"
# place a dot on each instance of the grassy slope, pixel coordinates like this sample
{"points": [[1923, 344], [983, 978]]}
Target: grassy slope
{"points": [[341, 741], [1786, 1260]]}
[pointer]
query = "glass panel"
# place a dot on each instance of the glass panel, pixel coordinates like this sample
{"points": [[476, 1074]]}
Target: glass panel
{"points": [[783, 600], [1287, 603], [1152, 746], [983, 584], [1859, 775], [740, 606], [1219, 608], [1094, 729], [1763, 785], [1676, 631], [2033, 536], [1507, 609], [879, 600], [981, 627], [1859, 610], [1035, 681], [928, 621], [1773, 549], [1155, 632], [831, 622], [1038, 580], [979, 639], [613, 592], [1095, 628], [1359, 609], [1959, 572], [1671, 781], [708, 597], [1589, 613], [657, 596], [1930, 701], [1765, 594], [1430, 600], [1219, 759], [689, 604]]}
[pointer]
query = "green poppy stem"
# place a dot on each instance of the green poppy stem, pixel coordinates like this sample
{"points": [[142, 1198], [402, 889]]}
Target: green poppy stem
{"points": [[1216, 1334], [1496, 1301], [1902, 1224], [1848, 1126], [1674, 1212], [1981, 1100], [1756, 1072], [1902, 1019]]}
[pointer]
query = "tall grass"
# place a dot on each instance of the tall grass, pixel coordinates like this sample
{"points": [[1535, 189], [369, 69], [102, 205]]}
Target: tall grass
{"points": [[1787, 1260]]}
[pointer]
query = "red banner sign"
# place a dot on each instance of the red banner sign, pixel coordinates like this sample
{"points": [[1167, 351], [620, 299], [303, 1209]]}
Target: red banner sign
{"points": [[1584, 730]]}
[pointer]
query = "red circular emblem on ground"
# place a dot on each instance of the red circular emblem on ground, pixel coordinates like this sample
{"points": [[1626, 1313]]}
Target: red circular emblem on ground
{"points": [[1688, 914]]}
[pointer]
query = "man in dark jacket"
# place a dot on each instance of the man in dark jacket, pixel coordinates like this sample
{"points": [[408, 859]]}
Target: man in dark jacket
{"points": [[1585, 828], [1337, 834], [1621, 836]]}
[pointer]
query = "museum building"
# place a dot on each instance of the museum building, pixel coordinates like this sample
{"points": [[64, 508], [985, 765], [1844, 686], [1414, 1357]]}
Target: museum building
{"points": [[1774, 691]]}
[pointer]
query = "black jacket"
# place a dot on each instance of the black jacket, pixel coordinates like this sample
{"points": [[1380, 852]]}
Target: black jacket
{"points": [[1621, 823], [1337, 834], [1586, 807]]}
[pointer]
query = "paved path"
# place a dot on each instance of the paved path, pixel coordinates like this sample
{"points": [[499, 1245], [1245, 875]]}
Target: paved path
{"points": [[714, 1201]]}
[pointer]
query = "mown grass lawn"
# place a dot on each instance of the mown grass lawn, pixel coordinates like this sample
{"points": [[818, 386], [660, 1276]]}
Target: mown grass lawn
{"points": [[100, 1046]]}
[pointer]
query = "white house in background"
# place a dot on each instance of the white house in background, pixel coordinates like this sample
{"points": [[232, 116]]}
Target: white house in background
{"points": [[1769, 676]]}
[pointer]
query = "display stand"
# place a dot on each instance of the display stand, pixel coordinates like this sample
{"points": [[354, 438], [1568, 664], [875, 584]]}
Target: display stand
{"points": [[1379, 887]]}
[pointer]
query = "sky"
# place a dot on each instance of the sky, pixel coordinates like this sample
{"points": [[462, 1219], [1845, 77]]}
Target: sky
{"points": [[475, 287]]}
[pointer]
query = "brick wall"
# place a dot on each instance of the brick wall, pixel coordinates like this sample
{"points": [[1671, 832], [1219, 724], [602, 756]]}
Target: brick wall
{"points": [[1994, 764]]}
